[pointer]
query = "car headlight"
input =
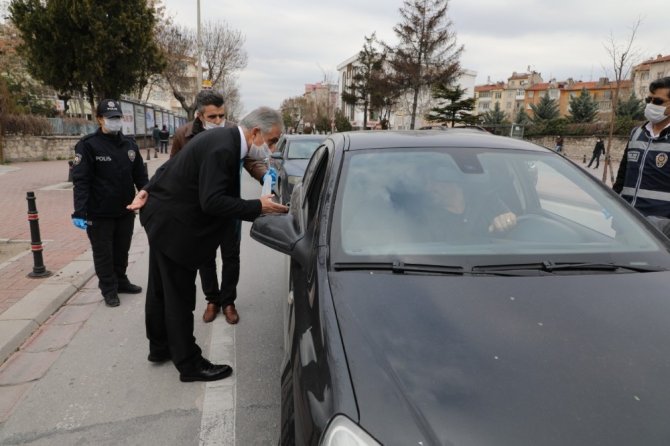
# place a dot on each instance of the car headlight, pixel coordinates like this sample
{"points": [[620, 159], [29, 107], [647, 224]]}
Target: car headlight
{"points": [[344, 432], [294, 180]]}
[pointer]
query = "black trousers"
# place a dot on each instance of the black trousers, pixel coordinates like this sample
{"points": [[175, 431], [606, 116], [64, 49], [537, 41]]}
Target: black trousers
{"points": [[230, 269], [110, 240], [595, 158], [164, 146], [169, 310]]}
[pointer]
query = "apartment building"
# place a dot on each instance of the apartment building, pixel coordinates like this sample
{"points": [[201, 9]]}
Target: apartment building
{"points": [[647, 72]]}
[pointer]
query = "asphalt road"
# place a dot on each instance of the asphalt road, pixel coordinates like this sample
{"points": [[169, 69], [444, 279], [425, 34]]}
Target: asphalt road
{"points": [[103, 391]]}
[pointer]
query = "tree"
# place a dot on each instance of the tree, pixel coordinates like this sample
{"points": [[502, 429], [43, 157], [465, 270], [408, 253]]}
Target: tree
{"points": [[583, 108], [545, 110], [369, 63], [102, 49], [293, 111], [427, 53], [621, 57], [521, 117], [632, 108], [453, 108], [223, 55], [495, 117], [342, 124]]}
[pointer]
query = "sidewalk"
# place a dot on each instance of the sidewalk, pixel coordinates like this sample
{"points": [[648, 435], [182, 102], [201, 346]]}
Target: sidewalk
{"points": [[26, 303]]}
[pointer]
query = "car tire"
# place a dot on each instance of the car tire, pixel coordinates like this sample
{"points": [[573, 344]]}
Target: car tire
{"points": [[287, 435]]}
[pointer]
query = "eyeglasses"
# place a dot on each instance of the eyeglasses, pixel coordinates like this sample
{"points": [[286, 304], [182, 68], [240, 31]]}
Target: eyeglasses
{"points": [[655, 101], [221, 116]]}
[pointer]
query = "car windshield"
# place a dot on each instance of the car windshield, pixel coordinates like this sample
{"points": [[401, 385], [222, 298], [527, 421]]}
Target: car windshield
{"points": [[482, 207], [302, 149]]}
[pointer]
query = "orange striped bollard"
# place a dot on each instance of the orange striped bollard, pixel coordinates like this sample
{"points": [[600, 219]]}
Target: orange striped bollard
{"points": [[39, 270]]}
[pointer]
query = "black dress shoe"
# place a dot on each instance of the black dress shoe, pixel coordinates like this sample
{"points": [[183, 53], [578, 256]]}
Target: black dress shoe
{"points": [[112, 299], [158, 357], [205, 371], [129, 288]]}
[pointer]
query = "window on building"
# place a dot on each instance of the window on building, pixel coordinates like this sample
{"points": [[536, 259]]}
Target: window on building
{"points": [[485, 94], [530, 94], [553, 94], [644, 75], [508, 105], [607, 95], [498, 94], [484, 106], [605, 105]]}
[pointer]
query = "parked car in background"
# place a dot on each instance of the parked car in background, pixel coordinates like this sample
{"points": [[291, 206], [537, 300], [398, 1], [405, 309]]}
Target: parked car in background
{"points": [[290, 159], [411, 320]]}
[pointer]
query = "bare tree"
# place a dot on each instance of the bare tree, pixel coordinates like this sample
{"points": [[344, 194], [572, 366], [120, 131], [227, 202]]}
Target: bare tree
{"points": [[223, 51], [223, 55], [622, 57]]}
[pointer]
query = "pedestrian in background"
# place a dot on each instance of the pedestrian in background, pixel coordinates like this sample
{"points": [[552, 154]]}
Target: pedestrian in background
{"points": [[643, 178], [186, 209], [107, 168], [156, 135], [164, 136], [559, 144], [598, 150], [210, 114]]}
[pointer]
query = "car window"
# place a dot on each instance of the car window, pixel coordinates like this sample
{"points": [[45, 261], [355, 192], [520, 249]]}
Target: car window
{"points": [[444, 202], [313, 181], [302, 149]]}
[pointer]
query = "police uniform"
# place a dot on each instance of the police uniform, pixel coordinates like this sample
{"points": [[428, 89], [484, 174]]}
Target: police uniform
{"points": [[643, 178], [106, 170]]}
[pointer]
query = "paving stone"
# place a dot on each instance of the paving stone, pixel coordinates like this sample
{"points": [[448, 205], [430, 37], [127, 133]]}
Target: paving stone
{"points": [[10, 396], [24, 367], [51, 337]]}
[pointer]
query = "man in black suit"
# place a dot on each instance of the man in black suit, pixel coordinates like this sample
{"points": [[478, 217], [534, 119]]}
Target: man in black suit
{"points": [[186, 210]]}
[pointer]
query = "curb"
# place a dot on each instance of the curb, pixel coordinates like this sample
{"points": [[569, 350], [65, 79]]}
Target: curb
{"points": [[27, 315]]}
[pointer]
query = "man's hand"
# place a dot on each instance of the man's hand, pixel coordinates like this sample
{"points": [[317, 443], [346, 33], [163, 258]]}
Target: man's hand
{"points": [[503, 222], [79, 223], [270, 207], [139, 201]]}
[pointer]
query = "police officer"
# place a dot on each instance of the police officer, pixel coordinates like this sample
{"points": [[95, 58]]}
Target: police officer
{"points": [[107, 168]]}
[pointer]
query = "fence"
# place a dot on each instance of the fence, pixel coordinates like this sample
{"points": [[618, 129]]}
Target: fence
{"points": [[69, 127]]}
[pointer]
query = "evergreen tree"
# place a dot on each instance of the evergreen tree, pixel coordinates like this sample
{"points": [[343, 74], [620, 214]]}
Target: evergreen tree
{"points": [[495, 117], [102, 49], [632, 108], [583, 108], [521, 117], [427, 53], [545, 110], [454, 109], [362, 87], [342, 124]]}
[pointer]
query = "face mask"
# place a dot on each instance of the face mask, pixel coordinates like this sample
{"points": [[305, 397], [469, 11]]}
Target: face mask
{"points": [[210, 125], [259, 153], [113, 125], [655, 113]]}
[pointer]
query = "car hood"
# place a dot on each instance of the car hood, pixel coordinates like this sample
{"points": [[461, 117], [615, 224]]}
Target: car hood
{"points": [[295, 167], [553, 360]]}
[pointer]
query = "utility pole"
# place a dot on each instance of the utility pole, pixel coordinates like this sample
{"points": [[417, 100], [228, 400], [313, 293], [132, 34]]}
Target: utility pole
{"points": [[199, 67]]}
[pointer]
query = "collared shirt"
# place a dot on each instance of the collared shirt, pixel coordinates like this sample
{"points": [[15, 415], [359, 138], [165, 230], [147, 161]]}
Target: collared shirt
{"points": [[244, 149], [650, 129]]}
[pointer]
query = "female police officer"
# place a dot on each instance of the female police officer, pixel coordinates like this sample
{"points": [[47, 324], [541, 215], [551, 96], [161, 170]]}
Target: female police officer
{"points": [[106, 169]]}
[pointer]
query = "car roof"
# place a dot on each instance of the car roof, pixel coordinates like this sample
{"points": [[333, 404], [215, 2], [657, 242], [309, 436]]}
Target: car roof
{"points": [[459, 137], [315, 137]]}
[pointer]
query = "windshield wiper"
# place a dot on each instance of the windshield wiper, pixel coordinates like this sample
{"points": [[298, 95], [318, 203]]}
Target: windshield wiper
{"points": [[551, 267], [398, 267]]}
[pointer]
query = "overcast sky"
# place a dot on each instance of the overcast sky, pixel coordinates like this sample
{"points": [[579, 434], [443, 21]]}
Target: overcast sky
{"points": [[293, 42]]}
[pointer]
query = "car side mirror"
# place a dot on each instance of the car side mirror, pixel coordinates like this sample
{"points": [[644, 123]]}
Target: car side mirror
{"points": [[280, 232], [277, 155]]}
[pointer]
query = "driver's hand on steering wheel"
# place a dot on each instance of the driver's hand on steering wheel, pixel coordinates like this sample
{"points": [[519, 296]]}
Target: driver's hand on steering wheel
{"points": [[503, 222]]}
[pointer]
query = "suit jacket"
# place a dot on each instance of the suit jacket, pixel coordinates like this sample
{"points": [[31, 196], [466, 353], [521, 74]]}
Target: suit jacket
{"points": [[187, 131], [193, 195]]}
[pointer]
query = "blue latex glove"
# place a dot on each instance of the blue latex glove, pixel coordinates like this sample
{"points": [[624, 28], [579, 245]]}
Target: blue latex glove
{"points": [[273, 173], [79, 222]]}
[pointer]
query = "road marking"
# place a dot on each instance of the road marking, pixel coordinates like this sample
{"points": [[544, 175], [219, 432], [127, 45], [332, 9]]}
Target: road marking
{"points": [[217, 427]]}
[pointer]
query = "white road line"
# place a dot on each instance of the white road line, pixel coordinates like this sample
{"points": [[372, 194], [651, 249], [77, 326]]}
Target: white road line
{"points": [[217, 427]]}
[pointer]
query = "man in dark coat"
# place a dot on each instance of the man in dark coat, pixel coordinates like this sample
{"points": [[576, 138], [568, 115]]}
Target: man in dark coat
{"points": [[187, 207], [598, 150], [211, 114]]}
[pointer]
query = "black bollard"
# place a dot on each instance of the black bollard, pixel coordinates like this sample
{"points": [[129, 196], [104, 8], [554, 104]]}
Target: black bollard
{"points": [[39, 270], [69, 171]]}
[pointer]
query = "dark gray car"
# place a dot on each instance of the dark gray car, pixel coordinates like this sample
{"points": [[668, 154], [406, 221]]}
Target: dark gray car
{"points": [[460, 288], [290, 159]]}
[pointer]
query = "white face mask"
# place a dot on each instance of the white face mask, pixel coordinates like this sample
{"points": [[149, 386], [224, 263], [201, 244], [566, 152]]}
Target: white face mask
{"points": [[210, 125], [655, 113], [113, 125], [259, 153]]}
